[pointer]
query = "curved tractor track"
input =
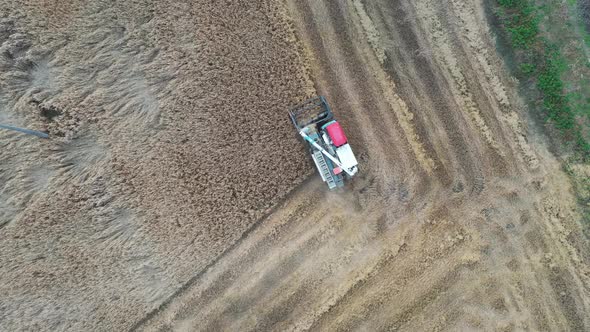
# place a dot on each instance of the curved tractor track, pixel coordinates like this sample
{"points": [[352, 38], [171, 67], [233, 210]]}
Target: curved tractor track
{"points": [[454, 222]]}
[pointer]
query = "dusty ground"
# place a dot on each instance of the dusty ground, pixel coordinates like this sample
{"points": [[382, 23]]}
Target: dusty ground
{"points": [[138, 217]]}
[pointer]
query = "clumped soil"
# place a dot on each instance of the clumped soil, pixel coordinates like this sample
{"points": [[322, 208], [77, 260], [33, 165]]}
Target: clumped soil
{"points": [[169, 139]]}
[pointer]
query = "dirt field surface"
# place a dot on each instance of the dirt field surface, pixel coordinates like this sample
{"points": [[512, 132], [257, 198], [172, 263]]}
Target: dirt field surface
{"points": [[173, 193]]}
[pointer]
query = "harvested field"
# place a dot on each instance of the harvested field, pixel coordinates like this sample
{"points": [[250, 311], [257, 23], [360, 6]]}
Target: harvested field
{"points": [[173, 193]]}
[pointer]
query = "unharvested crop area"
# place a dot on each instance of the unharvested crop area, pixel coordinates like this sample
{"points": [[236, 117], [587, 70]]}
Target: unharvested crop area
{"points": [[173, 193], [168, 140]]}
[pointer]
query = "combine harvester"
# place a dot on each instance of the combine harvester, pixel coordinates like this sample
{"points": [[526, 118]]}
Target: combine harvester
{"points": [[327, 143]]}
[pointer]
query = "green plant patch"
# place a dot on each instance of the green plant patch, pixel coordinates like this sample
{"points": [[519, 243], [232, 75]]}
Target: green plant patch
{"points": [[542, 62], [527, 68]]}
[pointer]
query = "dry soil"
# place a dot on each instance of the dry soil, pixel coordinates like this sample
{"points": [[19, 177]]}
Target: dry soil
{"points": [[165, 198]]}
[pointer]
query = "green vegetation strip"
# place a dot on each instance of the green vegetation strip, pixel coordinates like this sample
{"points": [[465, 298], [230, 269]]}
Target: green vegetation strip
{"points": [[542, 61]]}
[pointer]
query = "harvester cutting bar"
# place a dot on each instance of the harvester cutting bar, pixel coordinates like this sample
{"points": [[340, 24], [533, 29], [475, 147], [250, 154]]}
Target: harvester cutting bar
{"points": [[311, 111]]}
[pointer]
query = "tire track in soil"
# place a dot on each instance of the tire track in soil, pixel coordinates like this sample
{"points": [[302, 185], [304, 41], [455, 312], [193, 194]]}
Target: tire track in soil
{"points": [[274, 279], [470, 83], [395, 109], [303, 282], [380, 297], [435, 104], [414, 133], [477, 39], [410, 83], [444, 162]]}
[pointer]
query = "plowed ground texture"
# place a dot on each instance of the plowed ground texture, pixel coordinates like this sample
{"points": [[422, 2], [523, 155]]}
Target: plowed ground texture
{"points": [[459, 218]]}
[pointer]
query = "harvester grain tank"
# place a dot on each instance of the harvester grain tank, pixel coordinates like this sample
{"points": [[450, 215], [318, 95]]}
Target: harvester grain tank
{"points": [[328, 144]]}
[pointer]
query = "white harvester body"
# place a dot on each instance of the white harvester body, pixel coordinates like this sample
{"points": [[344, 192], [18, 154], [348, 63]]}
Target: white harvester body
{"points": [[347, 158]]}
